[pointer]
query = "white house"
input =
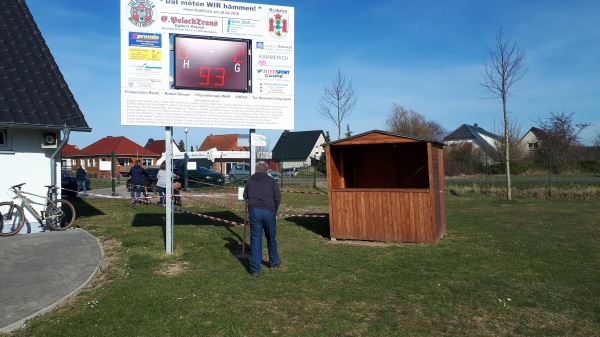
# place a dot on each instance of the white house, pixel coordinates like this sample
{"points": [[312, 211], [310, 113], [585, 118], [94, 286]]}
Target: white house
{"points": [[37, 110]]}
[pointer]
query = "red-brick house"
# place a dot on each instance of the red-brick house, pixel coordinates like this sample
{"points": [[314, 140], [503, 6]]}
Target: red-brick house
{"points": [[126, 153], [224, 143]]}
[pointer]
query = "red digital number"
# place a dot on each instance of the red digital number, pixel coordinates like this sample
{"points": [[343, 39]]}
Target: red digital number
{"points": [[242, 52], [180, 54], [204, 73], [221, 77]]}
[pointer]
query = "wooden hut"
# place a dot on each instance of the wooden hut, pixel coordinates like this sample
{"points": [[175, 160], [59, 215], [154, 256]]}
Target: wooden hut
{"points": [[386, 187]]}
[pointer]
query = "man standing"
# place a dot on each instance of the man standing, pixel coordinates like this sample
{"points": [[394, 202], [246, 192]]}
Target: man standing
{"points": [[80, 178], [263, 197], [137, 174]]}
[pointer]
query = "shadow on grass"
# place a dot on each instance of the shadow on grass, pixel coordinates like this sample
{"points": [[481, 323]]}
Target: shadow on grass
{"points": [[83, 208], [150, 215], [319, 226]]}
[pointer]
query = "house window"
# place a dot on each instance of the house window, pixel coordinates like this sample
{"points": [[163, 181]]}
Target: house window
{"points": [[94, 162], [146, 161], [82, 162], [124, 161], [5, 141], [73, 162], [533, 146]]}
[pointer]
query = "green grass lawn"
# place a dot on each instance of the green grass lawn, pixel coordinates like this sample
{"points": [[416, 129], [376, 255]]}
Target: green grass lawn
{"points": [[524, 268]]}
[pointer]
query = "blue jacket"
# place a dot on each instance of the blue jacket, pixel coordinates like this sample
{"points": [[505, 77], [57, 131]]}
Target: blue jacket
{"points": [[262, 192], [80, 174], [137, 174]]}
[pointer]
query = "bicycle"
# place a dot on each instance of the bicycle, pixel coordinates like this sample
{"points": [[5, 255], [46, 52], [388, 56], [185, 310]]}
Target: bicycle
{"points": [[59, 214]]}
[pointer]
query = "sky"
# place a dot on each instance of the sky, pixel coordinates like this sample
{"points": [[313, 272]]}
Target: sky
{"points": [[426, 55]]}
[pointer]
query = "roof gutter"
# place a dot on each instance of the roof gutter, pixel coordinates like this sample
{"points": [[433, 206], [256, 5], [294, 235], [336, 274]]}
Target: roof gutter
{"points": [[66, 132]]}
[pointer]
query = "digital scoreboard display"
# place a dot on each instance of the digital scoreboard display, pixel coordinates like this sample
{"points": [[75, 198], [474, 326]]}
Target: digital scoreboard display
{"points": [[204, 63]]}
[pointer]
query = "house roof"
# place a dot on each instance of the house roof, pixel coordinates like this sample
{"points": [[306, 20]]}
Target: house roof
{"points": [[295, 145], [473, 133], [387, 133], [120, 145], [70, 151], [157, 146], [226, 142], [538, 133], [466, 132], [33, 92]]}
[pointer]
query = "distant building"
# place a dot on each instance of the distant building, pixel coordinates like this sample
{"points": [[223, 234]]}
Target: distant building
{"points": [[475, 135], [531, 140], [223, 152], [298, 149], [96, 158]]}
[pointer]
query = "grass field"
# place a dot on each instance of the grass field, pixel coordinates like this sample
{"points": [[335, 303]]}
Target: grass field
{"points": [[525, 268]]}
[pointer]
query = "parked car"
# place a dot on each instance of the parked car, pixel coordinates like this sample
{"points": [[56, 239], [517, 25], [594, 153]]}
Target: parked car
{"points": [[69, 184], [150, 181], [202, 176], [241, 172], [290, 172], [273, 174]]}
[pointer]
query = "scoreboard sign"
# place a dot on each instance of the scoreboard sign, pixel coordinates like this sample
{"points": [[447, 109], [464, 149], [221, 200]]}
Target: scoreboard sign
{"points": [[213, 64]]}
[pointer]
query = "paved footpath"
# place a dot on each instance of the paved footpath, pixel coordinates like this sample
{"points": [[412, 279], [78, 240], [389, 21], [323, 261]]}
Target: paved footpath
{"points": [[39, 271]]}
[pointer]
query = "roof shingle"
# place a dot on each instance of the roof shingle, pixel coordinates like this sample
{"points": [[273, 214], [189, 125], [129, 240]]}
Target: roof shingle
{"points": [[120, 145], [33, 92]]}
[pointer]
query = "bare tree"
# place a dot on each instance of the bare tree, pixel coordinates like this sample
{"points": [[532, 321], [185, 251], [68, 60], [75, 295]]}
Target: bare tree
{"points": [[560, 136], [516, 151], [338, 101], [411, 123], [596, 139], [505, 68]]}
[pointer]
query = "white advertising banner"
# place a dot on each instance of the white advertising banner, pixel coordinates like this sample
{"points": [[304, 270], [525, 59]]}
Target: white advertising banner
{"points": [[216, 64]]}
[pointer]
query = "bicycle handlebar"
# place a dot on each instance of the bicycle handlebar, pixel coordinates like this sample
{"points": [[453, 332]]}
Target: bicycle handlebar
{"points": [[17, 186]]}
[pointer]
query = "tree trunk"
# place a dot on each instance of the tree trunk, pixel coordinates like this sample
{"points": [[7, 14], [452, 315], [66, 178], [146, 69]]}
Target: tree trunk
{"points": [[507, 150]]}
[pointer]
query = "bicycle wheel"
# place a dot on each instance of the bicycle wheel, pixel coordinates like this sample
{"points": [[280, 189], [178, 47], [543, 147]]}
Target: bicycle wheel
{"points": [[60, 214], [12, 220]]}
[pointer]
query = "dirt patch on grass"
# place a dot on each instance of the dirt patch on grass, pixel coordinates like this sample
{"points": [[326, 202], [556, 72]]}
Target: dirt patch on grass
{"points": [[108, 267], [173, 268]]}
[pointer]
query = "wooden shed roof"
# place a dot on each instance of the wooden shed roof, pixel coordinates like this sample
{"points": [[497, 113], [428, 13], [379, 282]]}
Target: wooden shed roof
{"points": [[378, 136]]}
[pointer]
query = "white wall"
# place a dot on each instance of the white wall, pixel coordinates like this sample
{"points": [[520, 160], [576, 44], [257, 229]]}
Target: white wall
{"points": [[30, 164]]}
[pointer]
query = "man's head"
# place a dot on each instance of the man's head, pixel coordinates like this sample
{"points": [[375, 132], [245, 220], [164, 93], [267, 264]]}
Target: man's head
{"points": [[261, 166], [137, 162]]}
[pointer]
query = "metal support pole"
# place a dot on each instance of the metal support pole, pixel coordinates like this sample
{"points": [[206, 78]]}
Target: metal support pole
{"points": [[245, 226], [252, 153], [169, 189], [113, 173], [315, 172], [185, 172]]}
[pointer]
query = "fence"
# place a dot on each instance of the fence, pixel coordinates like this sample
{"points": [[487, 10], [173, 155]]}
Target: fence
{"points": [[300, 175]]}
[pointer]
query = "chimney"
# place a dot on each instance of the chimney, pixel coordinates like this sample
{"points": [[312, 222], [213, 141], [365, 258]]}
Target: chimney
{"points": [[475, 125]]}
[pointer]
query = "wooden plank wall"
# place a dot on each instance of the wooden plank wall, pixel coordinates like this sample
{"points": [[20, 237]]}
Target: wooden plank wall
{"points": [[382, 215]]}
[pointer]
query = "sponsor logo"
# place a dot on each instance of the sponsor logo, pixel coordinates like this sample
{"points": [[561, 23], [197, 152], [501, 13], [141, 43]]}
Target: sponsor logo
{"points": [[141, 12], [274, 57], [274, 72], [145, 40], [278, 24]]}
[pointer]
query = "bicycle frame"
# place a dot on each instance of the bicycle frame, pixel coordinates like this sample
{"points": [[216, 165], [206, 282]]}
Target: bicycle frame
{"points": [[27, 203]]}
